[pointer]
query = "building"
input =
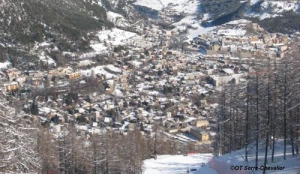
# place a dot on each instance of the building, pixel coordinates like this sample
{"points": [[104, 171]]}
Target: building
{"points": [[202, 123], [61, 71], [173, 130], [11, 87], [36, 81], [199, 134], [74, 75], [222, 80], [12, 74]]}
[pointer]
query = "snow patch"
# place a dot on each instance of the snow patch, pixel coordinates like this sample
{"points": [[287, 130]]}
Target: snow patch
{"points": [[4, 65]]}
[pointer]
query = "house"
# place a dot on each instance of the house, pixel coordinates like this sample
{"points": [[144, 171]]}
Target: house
{"points": [[35, 81], [167, 32], [11, 87], [221, 80], [35, 73], [74, 75], [61, 71], [257, 27], [199, 134], [202, 123], [13, 74], [169, 114], [64, 71]]}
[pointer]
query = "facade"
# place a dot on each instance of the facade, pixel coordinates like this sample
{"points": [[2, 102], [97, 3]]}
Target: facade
{"points": [[13, 74], [221, 80], [75, 75], [202, 123], [11, 87], [199, 134]]}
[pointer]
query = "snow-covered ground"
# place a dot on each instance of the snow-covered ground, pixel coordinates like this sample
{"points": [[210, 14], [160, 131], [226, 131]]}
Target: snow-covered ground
{"points": [[153, 4], [291, 164], [195, 23], [114, 37], [232, 32], [102, 70], [47, 59], [5, 65], [176, 164], [274, 8], [117, 19], [187, 6]]}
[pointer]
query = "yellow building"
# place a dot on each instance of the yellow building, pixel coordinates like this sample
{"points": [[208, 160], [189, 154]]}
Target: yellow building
{"points": [[199, 134], [202, 123], [74, 75], [11, 87]]}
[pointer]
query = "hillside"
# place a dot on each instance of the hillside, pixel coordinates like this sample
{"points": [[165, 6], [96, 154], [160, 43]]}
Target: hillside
{"points": [[29, 21], [268, 13], [178, 164], [236, 158]]}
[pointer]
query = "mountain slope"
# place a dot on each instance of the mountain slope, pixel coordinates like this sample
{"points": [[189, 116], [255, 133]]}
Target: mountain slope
{"points": [[273, 15], [30, 20], [268, 13]]}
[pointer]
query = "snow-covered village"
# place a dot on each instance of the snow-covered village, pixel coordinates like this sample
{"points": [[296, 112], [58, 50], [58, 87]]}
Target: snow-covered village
{"points": [[149, 86]]}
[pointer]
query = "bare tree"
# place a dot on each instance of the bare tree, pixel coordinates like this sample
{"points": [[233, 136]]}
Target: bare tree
{"points": [[18, 143]]}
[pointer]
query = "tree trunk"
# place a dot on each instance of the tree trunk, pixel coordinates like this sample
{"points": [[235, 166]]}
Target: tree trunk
{"points": [[284, 112], [273, 119], [268, 121], [257, 122], [247, 124]]}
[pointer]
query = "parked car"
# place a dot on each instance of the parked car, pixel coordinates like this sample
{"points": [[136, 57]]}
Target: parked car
{"points": [[192, 170]]}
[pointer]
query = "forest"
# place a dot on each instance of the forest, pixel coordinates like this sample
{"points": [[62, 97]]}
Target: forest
{"points": [[261, 110]]}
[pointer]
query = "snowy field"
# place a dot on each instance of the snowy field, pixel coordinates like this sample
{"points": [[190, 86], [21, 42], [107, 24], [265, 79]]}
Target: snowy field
{"points": [[175, 164], [113, 37]]}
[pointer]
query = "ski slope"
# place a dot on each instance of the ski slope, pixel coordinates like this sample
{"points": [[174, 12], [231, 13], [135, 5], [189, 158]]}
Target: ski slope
{"points": [[177, 164]]}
